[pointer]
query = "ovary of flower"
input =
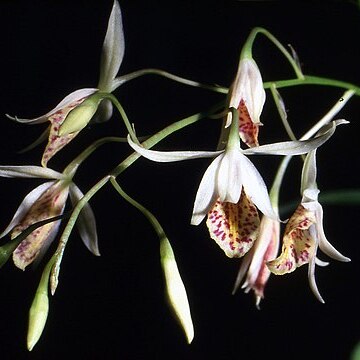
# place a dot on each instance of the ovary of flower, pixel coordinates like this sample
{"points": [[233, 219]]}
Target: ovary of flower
{"points": [[254, 263], [44, 202], [247, 94], [111, 59]]}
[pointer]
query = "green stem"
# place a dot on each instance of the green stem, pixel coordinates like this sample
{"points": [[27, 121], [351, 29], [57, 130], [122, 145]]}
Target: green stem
{"points": [[74, 164], [313, 80], [125, 78], [122, 112], [153, 140], [247, 49]]}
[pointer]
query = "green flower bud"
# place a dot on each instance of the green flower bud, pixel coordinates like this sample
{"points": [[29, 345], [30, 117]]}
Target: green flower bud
{"points": [[80, 116]]}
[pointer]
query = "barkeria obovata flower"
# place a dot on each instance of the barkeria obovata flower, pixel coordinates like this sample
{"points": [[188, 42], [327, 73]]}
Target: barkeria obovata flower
{"points": [[304, 232], [44, 202], [254, 262], [232, 189], [76, 110], [247, 94]]}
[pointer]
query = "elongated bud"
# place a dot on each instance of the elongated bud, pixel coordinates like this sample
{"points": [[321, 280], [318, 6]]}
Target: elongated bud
{"points": [[175, 289], [37, 317], [80, 116]]}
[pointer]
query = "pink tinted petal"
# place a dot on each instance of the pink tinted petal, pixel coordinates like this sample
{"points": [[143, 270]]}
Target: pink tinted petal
{"points": [[25, 205], [247, 129], [298, 244], [56, 142], [234, 227], [51, 203], [74, 96]]}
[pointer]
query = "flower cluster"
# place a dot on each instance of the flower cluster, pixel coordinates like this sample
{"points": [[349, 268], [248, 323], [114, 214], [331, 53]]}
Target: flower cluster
{"points": [[242, 215]]}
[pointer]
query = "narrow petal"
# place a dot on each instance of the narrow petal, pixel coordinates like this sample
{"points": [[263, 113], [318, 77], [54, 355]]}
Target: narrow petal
{"points": [[170, 156], [256, 189], [245, 263], [113, 50], [73, 97], [234, 227], [25, 206], [298, 244], [207, 193], [312, 281], [86, 222], [25, 171], [309, 172], [297, 147], [324, 244]]}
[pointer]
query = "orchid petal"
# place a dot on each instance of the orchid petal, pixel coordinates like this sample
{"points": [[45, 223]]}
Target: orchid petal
{"points": [[312, 281], [73, 97], [308, 175], [229, 182], [169, 156], [50, 203], [15, 171], [245, 263], [299, 245], [113, 50], [296, 147], [256, 189], [25, 205], [319, 262], [234, 227], [206, 194], [86, 221], [248, 130], [324, 244]]}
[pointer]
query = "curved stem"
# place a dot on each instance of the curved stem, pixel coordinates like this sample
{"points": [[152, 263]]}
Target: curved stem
{"points": [[247, 49], [125, 78], [313, 80]]}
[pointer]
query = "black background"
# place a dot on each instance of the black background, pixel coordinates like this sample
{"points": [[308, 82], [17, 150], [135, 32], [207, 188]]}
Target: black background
{"points": [[112, 307]]}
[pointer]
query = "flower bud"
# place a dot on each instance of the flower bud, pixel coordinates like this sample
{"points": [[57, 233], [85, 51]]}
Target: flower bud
{"points": [[80, 116]]}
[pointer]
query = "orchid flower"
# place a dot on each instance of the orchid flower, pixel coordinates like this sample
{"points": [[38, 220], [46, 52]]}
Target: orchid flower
{"points": [[44, 202], [254, 262], [76, 110], [304, 233], [247, 94], [232, 189]]}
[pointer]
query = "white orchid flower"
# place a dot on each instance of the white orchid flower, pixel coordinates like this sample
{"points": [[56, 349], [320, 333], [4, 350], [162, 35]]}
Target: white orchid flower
{"points": [[253, 265], [247, 94], [76, 110], [232, 189], [44, 202], [304, 233]]}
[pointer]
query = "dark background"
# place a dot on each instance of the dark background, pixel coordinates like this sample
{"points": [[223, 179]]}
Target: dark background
{"points": [[112, 307]]}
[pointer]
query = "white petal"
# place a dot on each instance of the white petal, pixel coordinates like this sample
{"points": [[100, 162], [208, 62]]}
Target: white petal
{"points": [[297, 147], [25, 205], [308, 175], [29, 172], [312, 281], [324, 244], [207, 192], [113, 50], [86, 221], [320, 262], [256, 189], [74, 96], [229, 181], [170, 156]]}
